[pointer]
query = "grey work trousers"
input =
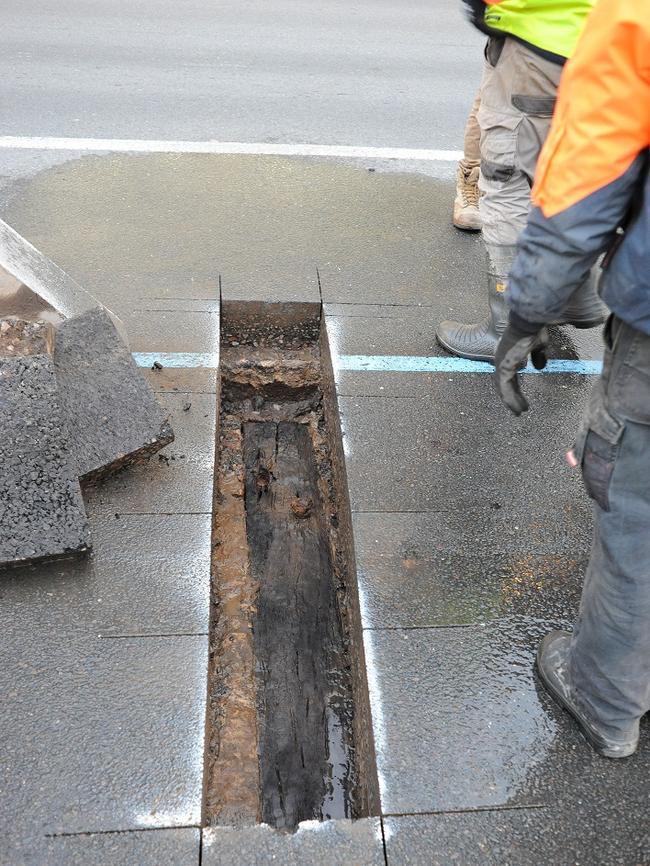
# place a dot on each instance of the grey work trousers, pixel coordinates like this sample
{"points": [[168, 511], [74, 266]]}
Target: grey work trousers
{"points": [[609, 659], [517, 98]]}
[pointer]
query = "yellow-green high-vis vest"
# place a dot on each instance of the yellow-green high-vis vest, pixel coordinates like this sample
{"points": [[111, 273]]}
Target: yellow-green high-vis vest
{"points": [[552, 25]]}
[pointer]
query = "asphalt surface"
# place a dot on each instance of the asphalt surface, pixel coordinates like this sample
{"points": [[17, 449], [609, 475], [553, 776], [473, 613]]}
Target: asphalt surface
{"points": [[373, 72]]}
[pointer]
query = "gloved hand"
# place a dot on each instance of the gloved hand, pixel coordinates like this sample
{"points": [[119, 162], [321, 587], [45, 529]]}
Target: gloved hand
{"points": [[512, 354]]}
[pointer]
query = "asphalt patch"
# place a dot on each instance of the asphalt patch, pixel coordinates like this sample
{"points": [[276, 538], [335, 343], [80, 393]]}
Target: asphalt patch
{"points": [[41, 510]]}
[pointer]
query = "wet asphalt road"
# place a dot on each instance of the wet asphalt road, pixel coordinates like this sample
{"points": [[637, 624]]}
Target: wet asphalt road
{"points": [[375, 72]]}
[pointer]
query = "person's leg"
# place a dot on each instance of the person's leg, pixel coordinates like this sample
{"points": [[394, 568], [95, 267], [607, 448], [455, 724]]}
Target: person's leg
{"points": [[605, 664], [516, 106], [513, 128], [466, 211], [610, 651]]}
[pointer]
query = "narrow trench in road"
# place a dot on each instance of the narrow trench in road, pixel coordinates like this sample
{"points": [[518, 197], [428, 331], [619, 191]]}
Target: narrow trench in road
{"points": [[289, 735]]}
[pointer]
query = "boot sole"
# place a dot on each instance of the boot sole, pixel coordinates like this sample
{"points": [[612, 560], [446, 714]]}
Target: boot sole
{"points": [[487, 358], [467, 228], [592, 738]]}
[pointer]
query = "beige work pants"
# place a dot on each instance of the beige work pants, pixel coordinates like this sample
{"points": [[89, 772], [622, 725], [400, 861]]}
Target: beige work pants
{"points": [[472, 143], [517, 98]]}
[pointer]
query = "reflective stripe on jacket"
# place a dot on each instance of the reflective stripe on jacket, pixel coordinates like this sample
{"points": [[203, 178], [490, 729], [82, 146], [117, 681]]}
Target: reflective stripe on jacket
{"points": [[592, 175]]}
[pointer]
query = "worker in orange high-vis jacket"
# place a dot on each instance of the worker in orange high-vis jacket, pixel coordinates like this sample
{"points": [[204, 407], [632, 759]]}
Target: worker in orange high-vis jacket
{"points": [[528, 46], [592, 196]]}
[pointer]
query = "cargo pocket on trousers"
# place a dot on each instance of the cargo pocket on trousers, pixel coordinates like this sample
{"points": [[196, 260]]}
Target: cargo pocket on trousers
{"points": [[498, 148], [596, 449], [629, 387], [538, 106]]}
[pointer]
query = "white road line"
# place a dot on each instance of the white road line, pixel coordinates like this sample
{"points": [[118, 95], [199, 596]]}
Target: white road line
{"points": [[259, 148]]}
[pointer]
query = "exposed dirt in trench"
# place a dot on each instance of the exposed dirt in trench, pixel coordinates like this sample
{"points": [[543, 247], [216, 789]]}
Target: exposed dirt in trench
{"points": [[265, 761]]}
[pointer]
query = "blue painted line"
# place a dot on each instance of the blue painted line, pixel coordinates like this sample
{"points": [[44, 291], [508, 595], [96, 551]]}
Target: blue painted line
{"points": [[177, 359], [422, 364], [377, 363]]}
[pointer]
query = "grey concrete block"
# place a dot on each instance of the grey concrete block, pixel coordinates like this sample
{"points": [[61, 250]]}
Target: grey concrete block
{"points": [[147, 574], [144, 848], [173, 331], [100, 734], [388, 330], [459, 447], [193, 380], [418, 570], [112, 416], [610, 833], [178, 480], [41, 511], [461, 723], [331, 843], [154, 848]]}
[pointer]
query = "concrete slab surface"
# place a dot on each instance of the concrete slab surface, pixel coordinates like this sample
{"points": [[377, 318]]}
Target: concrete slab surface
{"points": [[41, 510], [174, 331], [264, 223], [112, 418], [150, 848], [147, 574], [449, 589], [460, 448], [609, 835], [408, 330], [465, 725], [100, 734], [196, 380], [505, 531], [177, 480], [332, 843]]}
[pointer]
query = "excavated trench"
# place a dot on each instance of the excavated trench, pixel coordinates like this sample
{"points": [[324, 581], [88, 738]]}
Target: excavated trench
{"points": [[288, 726]]}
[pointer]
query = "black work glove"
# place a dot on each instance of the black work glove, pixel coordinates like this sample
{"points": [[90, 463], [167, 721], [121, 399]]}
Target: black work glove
{"points": [[519, 340]]}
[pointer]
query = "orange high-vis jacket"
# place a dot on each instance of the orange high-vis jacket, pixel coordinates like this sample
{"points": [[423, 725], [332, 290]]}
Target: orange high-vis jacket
{"points": [[602, 116], [593, 178]]}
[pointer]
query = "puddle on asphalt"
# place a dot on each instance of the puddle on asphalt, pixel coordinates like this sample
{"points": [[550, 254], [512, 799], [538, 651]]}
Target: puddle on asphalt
{"points": [[288, 732]]}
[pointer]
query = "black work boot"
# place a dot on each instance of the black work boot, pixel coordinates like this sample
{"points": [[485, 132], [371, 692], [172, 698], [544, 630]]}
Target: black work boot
{"points": [[479, 342], [585, 309], [553, 668]]}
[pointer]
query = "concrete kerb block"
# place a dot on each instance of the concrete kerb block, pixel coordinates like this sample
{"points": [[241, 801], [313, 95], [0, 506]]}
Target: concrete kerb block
{"points": [[41, 509]]}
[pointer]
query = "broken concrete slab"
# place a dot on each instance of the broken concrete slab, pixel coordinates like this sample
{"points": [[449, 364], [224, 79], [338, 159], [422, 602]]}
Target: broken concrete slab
{"points": [[111, 414], [41, 510]]}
